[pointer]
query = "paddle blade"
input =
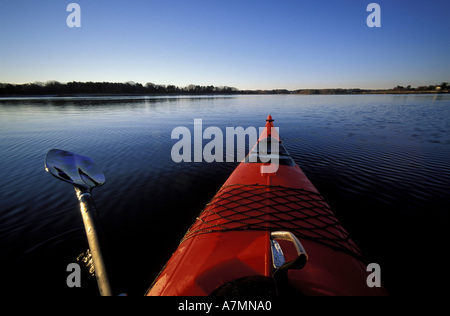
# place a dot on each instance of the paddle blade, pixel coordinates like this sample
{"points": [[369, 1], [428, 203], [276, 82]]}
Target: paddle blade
{"points": [[77, 170]]}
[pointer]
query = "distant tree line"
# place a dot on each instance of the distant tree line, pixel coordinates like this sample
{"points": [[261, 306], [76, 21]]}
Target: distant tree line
{"points": [[133, 88], [442, 87], [107, 88], [438, 88]]}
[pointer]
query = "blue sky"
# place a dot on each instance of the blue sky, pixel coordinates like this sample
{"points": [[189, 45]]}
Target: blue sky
{"points": [[248, 44]]}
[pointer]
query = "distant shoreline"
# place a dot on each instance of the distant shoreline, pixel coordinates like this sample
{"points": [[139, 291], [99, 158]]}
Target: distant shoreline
{"points": [[79, 89], [319, 92], [216, 94]]}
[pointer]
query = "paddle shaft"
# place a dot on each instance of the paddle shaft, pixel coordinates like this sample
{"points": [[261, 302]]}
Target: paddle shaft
{"points": [[87, 208]]}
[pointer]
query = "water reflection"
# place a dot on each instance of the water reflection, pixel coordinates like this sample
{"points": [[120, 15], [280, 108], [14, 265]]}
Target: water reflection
{"points": [[382, 163]]}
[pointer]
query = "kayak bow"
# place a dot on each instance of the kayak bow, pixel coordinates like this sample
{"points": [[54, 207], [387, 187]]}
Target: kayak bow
{"points": [[266, 234]]}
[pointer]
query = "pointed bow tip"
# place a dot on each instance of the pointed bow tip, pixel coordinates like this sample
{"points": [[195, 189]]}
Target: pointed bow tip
{"points": [[269, 118]]}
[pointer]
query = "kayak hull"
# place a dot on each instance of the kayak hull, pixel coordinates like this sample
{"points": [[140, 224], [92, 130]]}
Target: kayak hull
{"points": [[233, 237], [191, 272]]}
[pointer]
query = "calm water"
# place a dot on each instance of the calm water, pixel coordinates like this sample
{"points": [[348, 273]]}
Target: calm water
{"points": [[382, 163]]}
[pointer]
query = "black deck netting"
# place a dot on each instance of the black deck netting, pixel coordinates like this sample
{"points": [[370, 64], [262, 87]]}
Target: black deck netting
{"points": [[273, 208]]}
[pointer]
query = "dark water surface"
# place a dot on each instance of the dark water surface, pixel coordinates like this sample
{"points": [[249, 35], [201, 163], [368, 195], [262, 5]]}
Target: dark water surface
{"points": [[382, 163]]}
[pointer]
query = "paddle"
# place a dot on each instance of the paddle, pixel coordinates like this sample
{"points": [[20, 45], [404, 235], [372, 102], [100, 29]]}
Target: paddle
{"points": [[84, 175]]}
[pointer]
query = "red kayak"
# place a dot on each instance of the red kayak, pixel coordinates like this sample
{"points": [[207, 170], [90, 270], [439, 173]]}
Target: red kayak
{"points": [[266, 232]]}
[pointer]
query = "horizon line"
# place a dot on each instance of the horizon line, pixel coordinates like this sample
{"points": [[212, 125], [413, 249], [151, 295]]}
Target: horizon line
{"points": [[47, 83]]}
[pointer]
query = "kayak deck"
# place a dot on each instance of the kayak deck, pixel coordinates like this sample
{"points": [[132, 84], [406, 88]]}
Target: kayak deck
{"points": [[260, 207]]}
